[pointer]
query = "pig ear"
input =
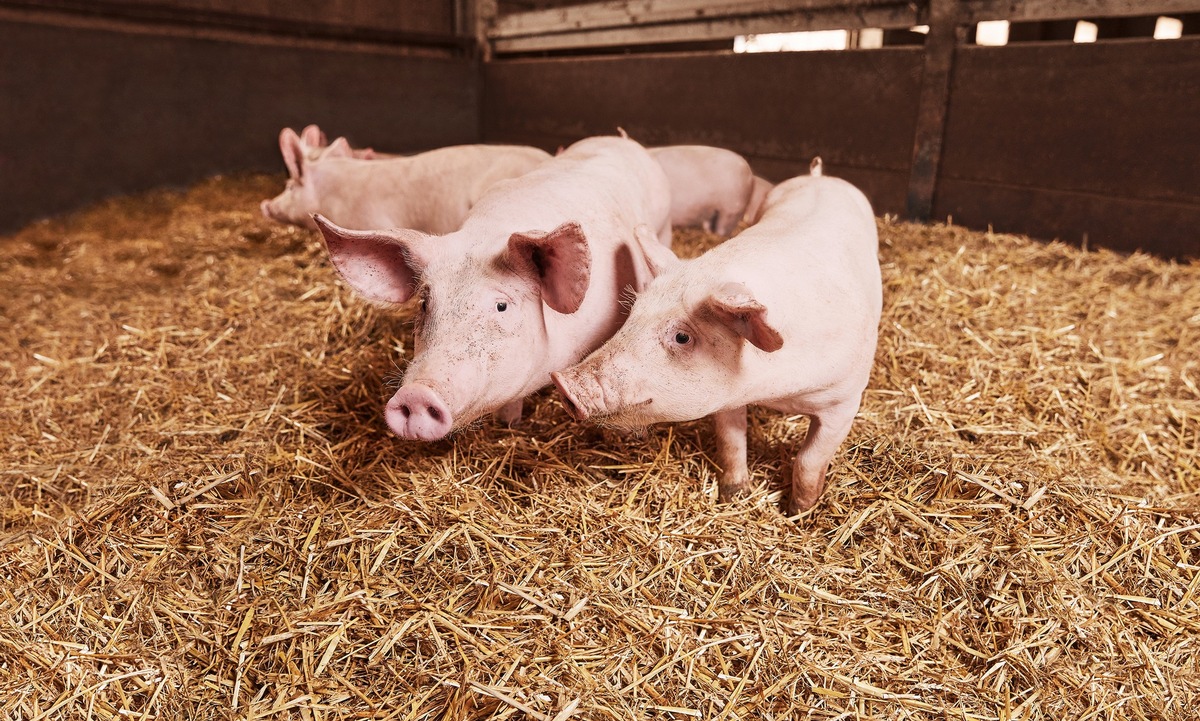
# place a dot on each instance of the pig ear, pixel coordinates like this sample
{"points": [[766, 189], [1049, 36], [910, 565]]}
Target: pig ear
{"points": [[658, 256], [382, 265], [734, 305], [339, 148], [365, 154], [559, 261], [292, 148], [313, 136]]}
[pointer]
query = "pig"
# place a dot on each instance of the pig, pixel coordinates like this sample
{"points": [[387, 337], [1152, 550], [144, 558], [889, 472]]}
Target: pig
{"points": [[431, 192], [710, 187], [785, 316], [531, 283]]}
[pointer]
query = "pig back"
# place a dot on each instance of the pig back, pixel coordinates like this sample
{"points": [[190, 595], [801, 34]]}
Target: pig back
{"points": [[812, 260]]}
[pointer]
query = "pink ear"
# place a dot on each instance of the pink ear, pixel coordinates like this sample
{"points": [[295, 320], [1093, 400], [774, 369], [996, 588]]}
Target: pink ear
{"points": [[292, 148], [339, 148], [659, 257], [365, 154], [313, 136], [734, 305], [382, 265], [559, 261]]}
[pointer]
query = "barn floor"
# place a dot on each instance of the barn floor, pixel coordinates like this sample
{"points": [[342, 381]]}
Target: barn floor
{"points": [[203, 515]]}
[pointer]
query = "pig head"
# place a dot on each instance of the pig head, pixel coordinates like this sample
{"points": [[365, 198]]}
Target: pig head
{"points": [[302, 154], [511, 296]]}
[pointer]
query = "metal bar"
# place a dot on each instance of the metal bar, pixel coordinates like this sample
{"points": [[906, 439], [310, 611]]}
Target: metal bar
{"points": [[946, 33]]}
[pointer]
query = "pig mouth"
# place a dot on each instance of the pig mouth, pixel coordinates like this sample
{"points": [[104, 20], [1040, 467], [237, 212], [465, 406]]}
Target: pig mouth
{"points": [[626, 417]]}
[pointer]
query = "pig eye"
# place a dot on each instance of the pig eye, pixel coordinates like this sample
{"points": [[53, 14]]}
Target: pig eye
{"points": [[682, 338], [424, 304], [501, 307]]}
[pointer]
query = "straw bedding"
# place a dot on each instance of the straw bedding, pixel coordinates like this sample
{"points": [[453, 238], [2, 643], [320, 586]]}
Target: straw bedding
{"points": [[203, 515]]}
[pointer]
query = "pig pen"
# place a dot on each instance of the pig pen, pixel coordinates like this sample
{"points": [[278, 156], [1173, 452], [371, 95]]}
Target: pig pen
{"points": [[204, 515]]}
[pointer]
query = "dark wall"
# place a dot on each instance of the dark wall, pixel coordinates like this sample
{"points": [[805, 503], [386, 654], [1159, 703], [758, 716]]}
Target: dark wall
{"points": [[1098, 141], [1054, 140], [91, 112], [856, 109]]}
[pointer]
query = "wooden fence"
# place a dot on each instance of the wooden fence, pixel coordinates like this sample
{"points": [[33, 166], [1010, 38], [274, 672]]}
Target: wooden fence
{"points": [[1094, 143]]}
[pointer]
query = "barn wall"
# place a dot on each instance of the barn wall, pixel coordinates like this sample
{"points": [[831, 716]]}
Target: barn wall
{"points": [[856, 109], [1073, 141], [1092, 143], [95, 109]]}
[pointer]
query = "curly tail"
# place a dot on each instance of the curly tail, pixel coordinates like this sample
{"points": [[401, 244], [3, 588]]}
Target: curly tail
{"points": [[814, 168]]}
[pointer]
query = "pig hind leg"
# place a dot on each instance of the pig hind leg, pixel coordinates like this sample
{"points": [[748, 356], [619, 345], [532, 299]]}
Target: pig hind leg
{"points": [[730, 427], [826, 431]]}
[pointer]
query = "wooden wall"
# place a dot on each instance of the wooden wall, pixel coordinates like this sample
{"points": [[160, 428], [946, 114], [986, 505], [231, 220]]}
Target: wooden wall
{"points": [[856, 109], [1095, 142], [95, 108]]}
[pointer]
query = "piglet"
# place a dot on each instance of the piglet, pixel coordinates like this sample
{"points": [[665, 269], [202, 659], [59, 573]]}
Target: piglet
{"points": [[785, 316], [711, 188], [431, 192], [532, 282]]}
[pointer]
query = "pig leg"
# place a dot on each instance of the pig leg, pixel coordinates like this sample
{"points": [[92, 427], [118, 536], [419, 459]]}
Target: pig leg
{"points": [[730, 427], [826, 431], [510, 412]]}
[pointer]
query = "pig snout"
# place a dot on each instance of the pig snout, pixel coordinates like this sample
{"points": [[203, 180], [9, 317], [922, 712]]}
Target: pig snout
{"points": [[418, 413], [569, 388], [265, 207]]}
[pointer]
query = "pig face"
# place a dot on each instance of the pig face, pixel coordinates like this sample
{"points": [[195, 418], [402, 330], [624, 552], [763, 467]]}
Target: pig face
{"points": [[480, 332], [300, 198], [677, 346], [664, 362]]}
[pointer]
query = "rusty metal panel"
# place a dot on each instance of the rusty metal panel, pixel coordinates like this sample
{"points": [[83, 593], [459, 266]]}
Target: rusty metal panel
{"points": [[856, 109], [89, 113], [1094, 127]]}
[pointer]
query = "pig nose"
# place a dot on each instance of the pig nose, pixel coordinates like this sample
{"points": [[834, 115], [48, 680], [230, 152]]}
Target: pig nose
{"points": [[417, 413], [575, 410], [265, 207]]}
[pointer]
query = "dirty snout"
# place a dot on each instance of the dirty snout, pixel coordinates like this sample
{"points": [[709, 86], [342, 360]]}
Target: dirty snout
{"points": [[580, 391], [418, 413]]}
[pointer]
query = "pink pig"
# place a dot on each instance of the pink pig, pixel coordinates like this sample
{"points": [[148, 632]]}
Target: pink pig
{"points": [[785, 315], [531, 283], [431, 191], [710, 187]]}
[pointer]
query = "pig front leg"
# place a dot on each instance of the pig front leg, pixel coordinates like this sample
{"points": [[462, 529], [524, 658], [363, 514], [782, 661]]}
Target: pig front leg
{"points": [[510, 412], [730, 427], [826, 431]]}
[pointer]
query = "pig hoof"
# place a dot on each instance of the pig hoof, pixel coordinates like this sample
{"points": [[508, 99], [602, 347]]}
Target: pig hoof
{"points": [[729, 491], [797, 505]]}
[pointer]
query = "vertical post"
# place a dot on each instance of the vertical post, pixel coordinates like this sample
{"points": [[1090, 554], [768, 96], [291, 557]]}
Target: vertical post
{"points": [[946, 32], [474, 17]]}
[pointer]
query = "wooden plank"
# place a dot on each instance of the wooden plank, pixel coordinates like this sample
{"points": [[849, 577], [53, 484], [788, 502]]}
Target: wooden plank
{"points": [[594, 16], [1115, 119], [854, 108], [946, 33], [90, 113], [891, 16], [413, 22], [1122, 224], [974, 11]]}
